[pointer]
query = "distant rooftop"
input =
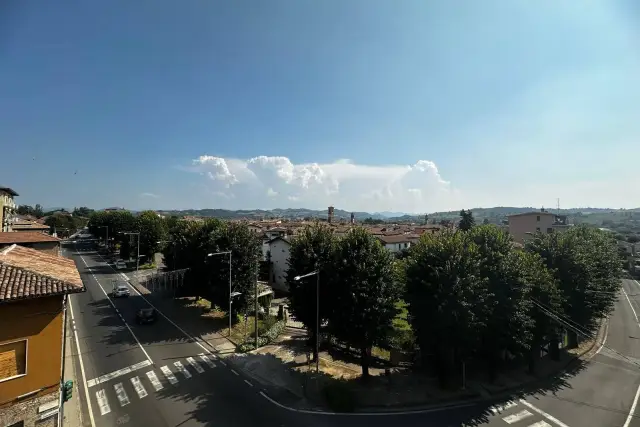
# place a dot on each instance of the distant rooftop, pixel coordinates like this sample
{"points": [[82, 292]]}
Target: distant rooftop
{"points": [[9, 190]]}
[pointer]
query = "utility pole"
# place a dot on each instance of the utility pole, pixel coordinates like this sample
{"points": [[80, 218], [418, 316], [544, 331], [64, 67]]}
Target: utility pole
{"points": [[317, 274], [255, 307]]}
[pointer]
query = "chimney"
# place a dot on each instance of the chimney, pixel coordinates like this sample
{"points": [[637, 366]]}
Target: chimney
{"points": [[353, 218], [330, 215]]}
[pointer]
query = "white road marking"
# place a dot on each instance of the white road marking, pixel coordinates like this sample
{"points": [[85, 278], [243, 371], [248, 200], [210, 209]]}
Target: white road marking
{"points": [[544, 414], [137, 385], [182, 369], [195, 365], [206, 360], [114, 306], [541, 424], [122, 395], [167, 373], [501, 408], [235, 372], [155, 382], [248, 383], [635, 399], [517, 417], [102, 402], [223, 363], [185, 333], [84, 376], [118, 373]]}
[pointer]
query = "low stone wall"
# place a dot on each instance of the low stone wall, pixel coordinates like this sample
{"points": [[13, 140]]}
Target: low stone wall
{"points": [[30, 412]]}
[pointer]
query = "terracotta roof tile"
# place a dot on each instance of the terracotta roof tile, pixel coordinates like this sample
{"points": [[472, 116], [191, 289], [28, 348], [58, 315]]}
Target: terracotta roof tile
{"points": [[28, 273], [25, 237]]}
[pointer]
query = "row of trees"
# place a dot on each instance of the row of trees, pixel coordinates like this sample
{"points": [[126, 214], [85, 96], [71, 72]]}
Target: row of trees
{"points": [[123, 228], [472, 296], [188, 245]]}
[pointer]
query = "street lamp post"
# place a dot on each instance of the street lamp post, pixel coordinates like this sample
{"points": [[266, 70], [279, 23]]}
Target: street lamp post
{"points": [[317, 274], [231, 294], [138, 257]]}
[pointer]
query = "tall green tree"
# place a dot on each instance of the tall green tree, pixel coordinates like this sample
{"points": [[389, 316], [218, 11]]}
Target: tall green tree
{"points": [[544, 297], [466, 220], [365, 292], [37, 211], [506, 303], [311, 250], [246, 253], [153, 232], [446, 294], [586, 265]]}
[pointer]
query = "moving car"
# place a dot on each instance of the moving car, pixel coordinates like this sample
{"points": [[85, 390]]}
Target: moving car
{"points": [[120, 264], [146, 315], [121, 290]]}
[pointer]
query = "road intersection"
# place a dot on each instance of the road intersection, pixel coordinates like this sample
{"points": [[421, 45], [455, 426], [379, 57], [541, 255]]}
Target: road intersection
{"points": [[142, 375]]}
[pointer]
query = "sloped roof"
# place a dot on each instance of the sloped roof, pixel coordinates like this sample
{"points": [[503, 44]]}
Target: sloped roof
{"points": [[28, 273], [25, 237]]}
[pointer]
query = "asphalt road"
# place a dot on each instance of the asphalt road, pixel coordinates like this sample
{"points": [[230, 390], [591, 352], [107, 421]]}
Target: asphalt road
{"points": [[137, 371]]}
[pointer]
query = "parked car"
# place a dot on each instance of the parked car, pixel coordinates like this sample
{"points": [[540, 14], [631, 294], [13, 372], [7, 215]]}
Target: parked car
{"points": [[120, 264], [121, 290], [146, 315]]}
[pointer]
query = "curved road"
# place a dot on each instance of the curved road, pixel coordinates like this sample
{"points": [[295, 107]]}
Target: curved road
{"points": [[158, 376]]}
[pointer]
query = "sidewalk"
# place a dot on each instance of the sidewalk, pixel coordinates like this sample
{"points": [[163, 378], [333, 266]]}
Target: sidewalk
{"points": [[72, 409], [282, 369]]}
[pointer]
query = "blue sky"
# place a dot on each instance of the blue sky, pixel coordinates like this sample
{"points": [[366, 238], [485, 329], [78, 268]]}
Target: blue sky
{"points": [[368, 105]]}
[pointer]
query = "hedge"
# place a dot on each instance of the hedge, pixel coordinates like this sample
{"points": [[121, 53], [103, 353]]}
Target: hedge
{"points": [[272, 333]]}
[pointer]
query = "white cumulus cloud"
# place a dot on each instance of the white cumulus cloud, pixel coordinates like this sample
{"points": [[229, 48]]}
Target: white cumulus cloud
{"points": [[274, 181]]}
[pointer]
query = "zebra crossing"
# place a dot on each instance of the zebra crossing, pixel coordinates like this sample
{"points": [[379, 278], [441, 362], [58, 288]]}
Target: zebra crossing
{"points": [[513, 414], [150, 380]]}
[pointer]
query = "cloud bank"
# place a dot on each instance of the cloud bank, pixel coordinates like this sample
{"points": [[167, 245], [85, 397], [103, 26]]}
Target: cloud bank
{"points": [[272, 182]]}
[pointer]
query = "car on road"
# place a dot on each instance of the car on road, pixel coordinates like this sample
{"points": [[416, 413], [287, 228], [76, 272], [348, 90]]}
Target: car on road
{"points": [[121, 290], [120, 264], [146, 315]]}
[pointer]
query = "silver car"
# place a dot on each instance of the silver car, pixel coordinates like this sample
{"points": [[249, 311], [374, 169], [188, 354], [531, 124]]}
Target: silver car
{"points": [[121, 291]]}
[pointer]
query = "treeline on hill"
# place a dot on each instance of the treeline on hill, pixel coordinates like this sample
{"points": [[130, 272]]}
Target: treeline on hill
{"points": [[465, 295]]}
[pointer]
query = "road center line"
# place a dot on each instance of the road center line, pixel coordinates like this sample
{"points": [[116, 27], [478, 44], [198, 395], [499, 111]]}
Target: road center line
{"points": [[195, 341], [114, 306]]}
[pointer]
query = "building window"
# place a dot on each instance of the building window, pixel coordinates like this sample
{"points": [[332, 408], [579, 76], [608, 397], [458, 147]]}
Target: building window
{"points": [[537, 229], [538, 218], [549, 230], [13, 360]]}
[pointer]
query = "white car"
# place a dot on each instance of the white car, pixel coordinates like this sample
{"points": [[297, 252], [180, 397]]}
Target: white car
{"points": [[120, 264], [121, 290]]}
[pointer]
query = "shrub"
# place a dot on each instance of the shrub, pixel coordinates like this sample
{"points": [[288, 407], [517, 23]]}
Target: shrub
{"points": [[272, 333]]}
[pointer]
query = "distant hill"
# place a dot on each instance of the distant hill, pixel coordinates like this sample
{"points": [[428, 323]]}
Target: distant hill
{"points": [[494, 215]]}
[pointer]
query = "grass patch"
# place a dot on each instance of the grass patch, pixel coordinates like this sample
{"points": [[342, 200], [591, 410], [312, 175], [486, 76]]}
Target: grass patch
{"points": [[148, 266]]}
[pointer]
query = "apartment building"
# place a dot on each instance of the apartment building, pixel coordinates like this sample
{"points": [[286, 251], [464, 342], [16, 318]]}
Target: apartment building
{"points": [[523, 226], [8, 207], [33, 292]]}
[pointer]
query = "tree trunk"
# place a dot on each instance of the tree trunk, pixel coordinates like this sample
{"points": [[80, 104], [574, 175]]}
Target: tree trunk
{"points": [[313, 345], [364, 362], [532, 358], [554, 351], [572, 339]]}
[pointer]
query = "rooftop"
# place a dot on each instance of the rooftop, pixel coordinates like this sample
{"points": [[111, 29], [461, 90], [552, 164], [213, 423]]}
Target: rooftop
{"points": [[9, 190], [28, 273], [25, 237], [533, 213], [28, 225]]}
